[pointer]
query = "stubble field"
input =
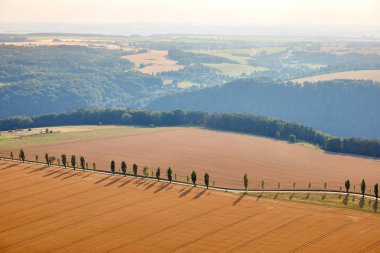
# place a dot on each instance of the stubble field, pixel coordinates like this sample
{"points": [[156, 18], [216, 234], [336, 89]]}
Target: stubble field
{"points": [[45, 209], [225, 156]]}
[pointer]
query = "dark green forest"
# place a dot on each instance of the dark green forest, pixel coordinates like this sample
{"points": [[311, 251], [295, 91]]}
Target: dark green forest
{"points": [[235, 122], [346, 108], [38, 80]]}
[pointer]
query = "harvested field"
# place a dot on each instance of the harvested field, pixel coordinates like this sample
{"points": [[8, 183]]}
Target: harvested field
{"points": [[153, 61], [46, 209], [226, 156], [373, 75]]}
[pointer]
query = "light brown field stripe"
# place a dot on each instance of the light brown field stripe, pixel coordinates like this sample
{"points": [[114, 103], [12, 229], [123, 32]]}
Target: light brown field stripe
{"points": [[81, 221], [168, 227], [57, 200], [372, 246], [320, 238], [268, 233], [212, 232]]}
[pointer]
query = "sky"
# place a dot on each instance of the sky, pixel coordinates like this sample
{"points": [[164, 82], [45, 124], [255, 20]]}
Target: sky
{"points": [[249, 12]]}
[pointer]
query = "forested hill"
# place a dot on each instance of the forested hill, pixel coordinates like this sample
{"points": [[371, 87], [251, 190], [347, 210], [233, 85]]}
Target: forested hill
{"points": [[347, 108], [236, 122], [47, 79]]}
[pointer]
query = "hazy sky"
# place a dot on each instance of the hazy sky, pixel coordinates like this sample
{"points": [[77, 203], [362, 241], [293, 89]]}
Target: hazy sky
{"points": [[257, 12]]}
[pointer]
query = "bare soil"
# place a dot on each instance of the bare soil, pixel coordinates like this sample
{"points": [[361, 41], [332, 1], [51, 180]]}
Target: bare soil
{"points": [[225, 156]]}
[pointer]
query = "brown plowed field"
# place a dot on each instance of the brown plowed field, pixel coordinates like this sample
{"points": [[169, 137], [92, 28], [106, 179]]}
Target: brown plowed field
{"points": [[44, 209], [226, 156]]}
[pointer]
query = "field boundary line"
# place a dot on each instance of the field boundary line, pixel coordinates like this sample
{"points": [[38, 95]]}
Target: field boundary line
{"points": [[168, 228], [245, 244], [320, 238], [215, 231], [373, 245]]}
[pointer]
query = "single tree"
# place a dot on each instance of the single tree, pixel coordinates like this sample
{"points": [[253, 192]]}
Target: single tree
{"points": [[194, 177], [12, 156], [278, 186], [262, 185], [292, 138], [113, 167], [73, 161], [158, 173], [59, 162], [175, 177], [325, 186], [207, 179], [134, 168], [245, 180], [51, 160], [169, 173], [21, 155], [376, 190], [36, 158], [86, 165], [124, 167], [94, 166], [187, 179], [82, 163], [145, 171], [347, 184], [64, 160], [309, 186], [362, 187], [294, 186], [47, 158]]}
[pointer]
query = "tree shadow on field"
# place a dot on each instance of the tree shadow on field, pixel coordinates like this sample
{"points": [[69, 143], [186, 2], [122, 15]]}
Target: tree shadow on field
{"points": [[323, 196], [291, 196], [345, 200], [113, 181], [183, 194], [150, 185], [161, 188], [72, 175], [27, 167], [238, 199], [102, 179], [38, 169], [276, 196], [199, 194], [140, 182], [361, 202], [259, 196], [307, 196], [62, 174], [126, 182], [184, 188], [9, 166], [86, 176], [170, 187], [375, 205], [51, 173]]}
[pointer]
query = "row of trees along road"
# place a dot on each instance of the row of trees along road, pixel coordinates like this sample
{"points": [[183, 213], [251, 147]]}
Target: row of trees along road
{"points": [[169, 173]]}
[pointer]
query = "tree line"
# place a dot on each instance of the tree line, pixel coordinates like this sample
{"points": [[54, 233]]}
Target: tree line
{"points": [[235, 122], [169, 173]]}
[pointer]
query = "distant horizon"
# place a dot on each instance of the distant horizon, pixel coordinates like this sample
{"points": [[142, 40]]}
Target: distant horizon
{"points": [[188, 28]]}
